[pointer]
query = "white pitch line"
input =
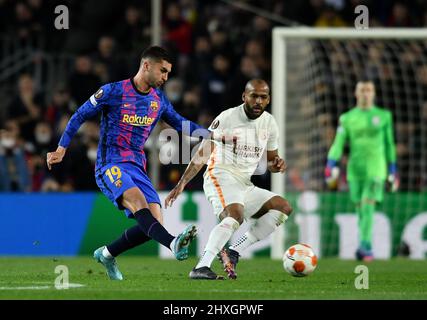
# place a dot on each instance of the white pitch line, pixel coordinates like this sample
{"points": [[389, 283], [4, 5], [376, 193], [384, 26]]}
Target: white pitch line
{"points": [[192, 291], [75, 285], [70, 286], [25, 288]]}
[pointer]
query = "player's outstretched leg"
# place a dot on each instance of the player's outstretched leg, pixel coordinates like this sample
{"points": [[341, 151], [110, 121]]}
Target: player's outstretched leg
{"points": [[110, 264], [153, 229], [106, 255], [134, 200], [180, 244]]}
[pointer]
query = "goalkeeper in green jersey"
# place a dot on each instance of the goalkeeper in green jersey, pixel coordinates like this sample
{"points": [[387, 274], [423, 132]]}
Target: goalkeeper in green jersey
{"points": [[372, 161]]}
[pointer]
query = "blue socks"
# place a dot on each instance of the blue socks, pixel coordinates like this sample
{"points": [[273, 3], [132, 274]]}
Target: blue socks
{"points": [[153, 228], [131, 238]]}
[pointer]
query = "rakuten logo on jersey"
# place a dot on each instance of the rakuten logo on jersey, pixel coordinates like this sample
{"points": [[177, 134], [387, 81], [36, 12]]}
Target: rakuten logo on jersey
{"points": [[136, 120]]}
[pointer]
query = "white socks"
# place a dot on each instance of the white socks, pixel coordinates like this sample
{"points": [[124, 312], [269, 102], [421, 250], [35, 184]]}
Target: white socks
{"points": [[218, 237], [244, 242], [106, 253], [260, 229], [206, 259], [172, 245]]}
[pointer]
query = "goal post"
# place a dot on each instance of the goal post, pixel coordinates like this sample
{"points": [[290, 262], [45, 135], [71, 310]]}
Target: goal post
{"points": [[314, 71]]}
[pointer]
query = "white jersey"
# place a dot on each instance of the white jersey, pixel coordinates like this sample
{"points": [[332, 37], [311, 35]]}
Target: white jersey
{"points": [[240, 142]]}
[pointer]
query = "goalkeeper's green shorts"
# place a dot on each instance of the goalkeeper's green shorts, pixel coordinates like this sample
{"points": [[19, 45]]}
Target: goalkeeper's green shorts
{"points": [[366, 189]]}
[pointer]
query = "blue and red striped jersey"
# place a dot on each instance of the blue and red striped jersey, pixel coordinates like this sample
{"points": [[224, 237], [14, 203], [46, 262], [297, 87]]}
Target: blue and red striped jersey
{"points": [[128, 117]]}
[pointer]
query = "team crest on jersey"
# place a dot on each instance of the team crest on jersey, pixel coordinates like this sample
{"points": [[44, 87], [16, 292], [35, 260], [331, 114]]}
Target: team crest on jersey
{"points": [[99, 93], [215, 124], [376, 121], [118, 183], [264, 134], [154, 105]]}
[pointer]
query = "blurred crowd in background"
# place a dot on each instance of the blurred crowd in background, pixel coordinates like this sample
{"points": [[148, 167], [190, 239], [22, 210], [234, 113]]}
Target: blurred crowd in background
{"points": [[216, 46]]}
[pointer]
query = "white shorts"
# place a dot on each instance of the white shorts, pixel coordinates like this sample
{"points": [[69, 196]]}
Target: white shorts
{"points": [[223, 188]]}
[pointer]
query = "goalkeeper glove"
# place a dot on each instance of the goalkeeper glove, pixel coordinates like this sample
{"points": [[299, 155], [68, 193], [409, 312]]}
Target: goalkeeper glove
{"points": [[332, 172], [393, 178]]}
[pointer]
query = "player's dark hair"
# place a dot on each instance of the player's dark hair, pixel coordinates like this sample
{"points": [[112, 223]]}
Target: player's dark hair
{"points": [[156, 53], [256, 81]]}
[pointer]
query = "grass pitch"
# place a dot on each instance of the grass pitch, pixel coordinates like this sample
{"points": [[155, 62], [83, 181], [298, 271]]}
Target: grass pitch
{"points": [[261, 278]]}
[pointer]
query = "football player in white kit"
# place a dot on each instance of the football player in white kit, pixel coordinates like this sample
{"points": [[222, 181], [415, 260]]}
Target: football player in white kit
{"points": [[241, 136]]}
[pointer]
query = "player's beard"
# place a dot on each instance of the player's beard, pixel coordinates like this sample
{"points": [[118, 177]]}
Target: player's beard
{"points": [[152, 82], [251, 113], [156, 84]]}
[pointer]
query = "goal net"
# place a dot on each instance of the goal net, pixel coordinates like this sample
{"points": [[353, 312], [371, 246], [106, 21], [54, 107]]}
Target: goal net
{"points": [[314, 76]]}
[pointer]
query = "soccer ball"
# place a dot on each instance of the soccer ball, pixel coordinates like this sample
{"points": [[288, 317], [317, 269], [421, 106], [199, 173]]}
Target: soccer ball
{"points": [[299, 260]]}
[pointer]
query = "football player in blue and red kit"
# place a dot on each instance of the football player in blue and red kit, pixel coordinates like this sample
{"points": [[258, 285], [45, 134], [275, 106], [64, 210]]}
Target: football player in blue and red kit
{"points": [[130, 109]]}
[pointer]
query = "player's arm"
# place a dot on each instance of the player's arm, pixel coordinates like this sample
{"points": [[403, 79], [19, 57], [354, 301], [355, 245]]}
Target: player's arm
{"points": [[86, 111], [335, 154], [274, 162], [199, 159], [181, 124], [390, 147]]}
